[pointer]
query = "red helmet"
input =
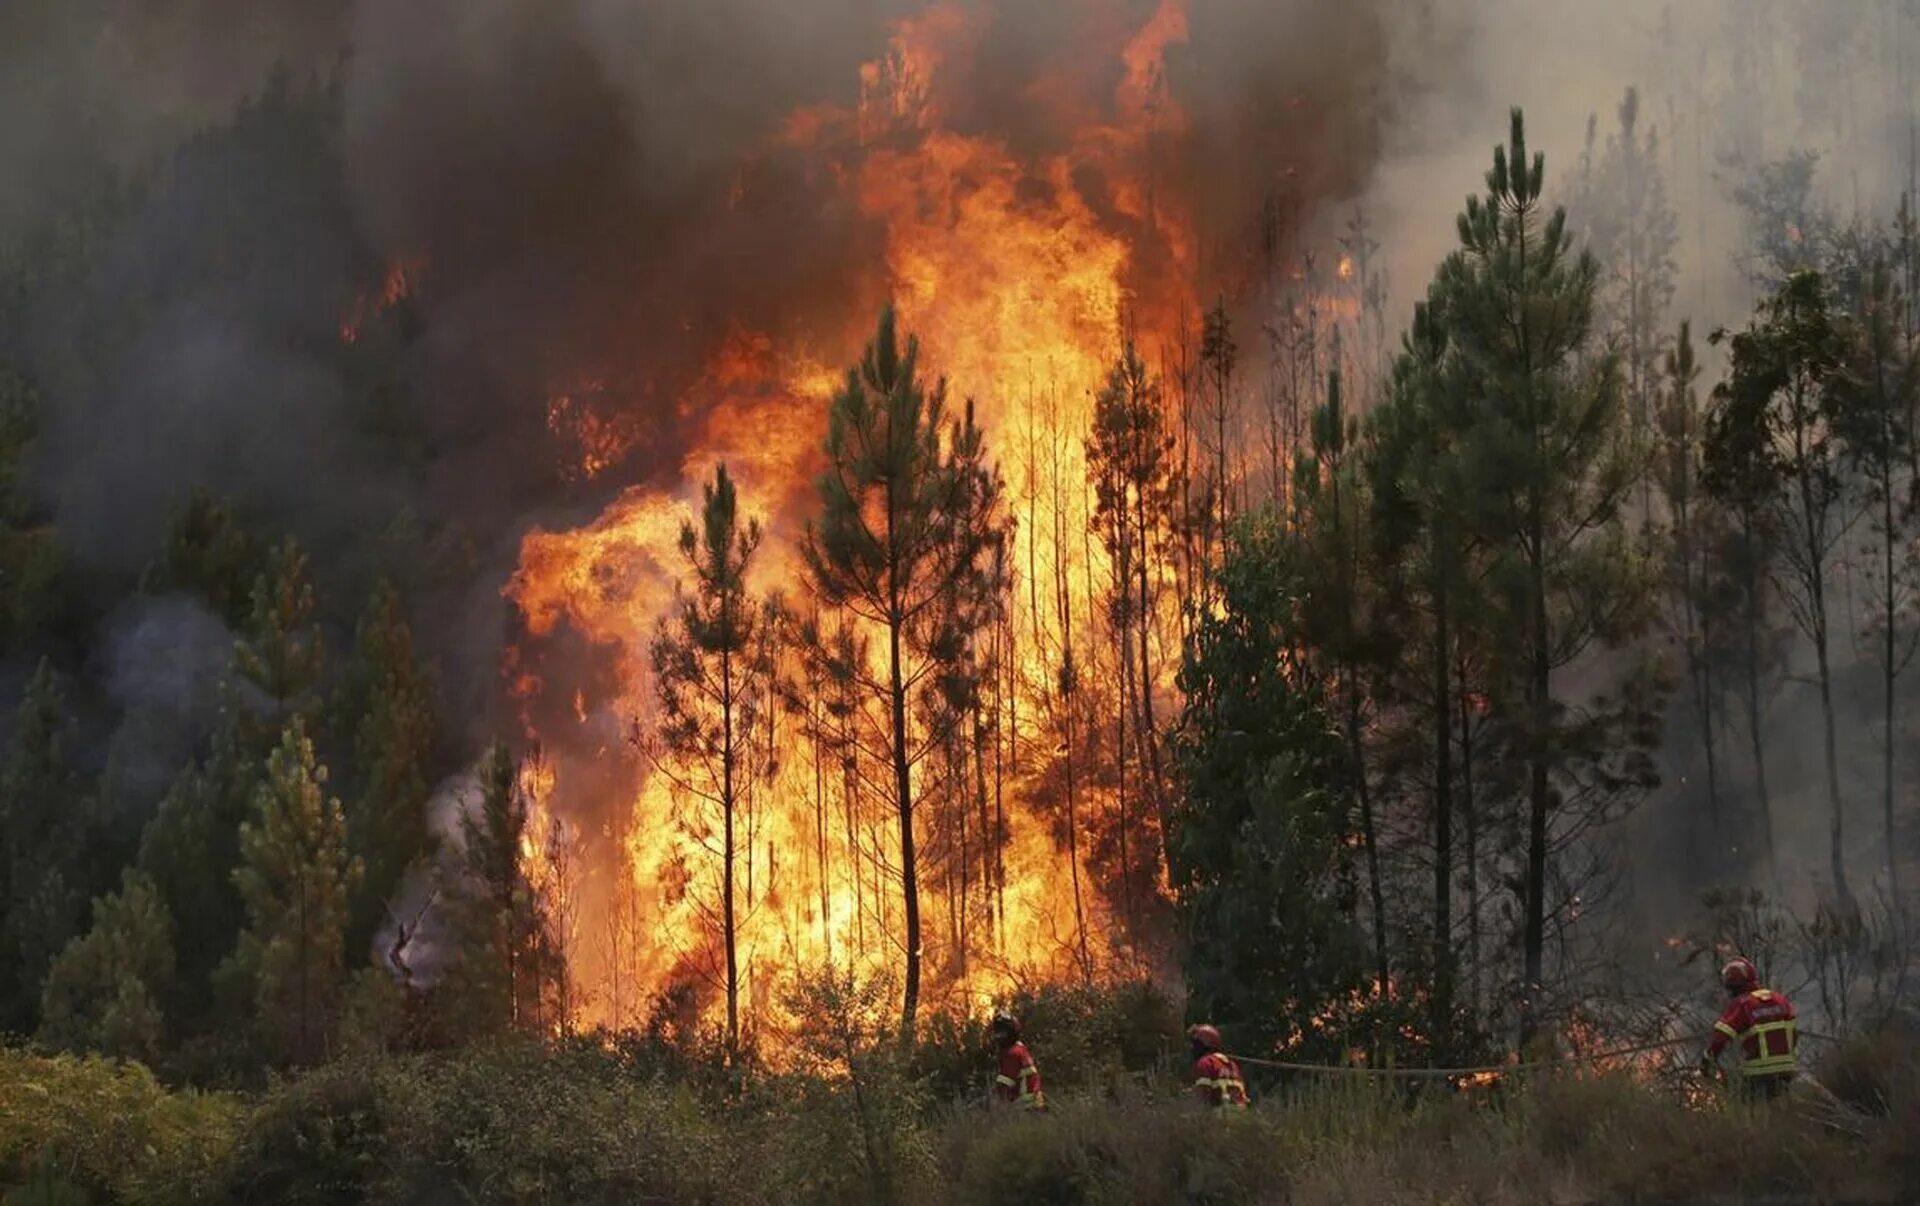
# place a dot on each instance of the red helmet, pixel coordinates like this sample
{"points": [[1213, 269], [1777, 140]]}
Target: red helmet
{"points": [[1740, 975], [1204, 1035]]}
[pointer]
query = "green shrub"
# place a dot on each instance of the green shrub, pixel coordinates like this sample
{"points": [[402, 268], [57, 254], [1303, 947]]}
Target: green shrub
{"points": [[110, 1129], [521, 1124], [1096, 1036], [317, 1139]]}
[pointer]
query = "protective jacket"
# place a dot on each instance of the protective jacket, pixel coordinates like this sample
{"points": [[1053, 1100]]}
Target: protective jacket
{"points": [[1018, 1081], [1761, 1022], [1216, 1081]]}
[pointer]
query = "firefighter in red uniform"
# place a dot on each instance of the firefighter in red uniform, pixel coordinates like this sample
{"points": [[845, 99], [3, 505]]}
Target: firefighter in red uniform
{"points": [[1216, 1078], [1760, 1022], [1018, 1081]]}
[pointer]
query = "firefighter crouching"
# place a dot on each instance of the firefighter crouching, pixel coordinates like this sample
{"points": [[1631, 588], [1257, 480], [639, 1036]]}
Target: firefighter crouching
{"points": [[1760, 1023], [1216, 1078], [1018, 1081]]}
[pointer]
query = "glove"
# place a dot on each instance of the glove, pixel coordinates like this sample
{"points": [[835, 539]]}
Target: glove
{"points": [[1708, 1065]]}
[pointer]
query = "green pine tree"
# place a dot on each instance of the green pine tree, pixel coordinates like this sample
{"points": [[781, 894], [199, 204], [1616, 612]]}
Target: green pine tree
{"points": [[108, 989], [506, 964], [208, 554], [1696, 524], [1880, 392], [43, 837], [1774, 447], [1339, 617], [713, 665], [189, 851], [1425, 553], [1553, 463], [29, 559], [890, 542], [1258, 851], [280, 651], [296, 879], [387, 704]]}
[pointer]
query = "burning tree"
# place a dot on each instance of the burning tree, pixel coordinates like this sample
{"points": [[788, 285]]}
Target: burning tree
{"points": [[897, 531], [713, 664], [507, 962]]}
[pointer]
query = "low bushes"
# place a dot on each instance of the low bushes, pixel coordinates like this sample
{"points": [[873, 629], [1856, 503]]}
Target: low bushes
{"points": [[109, 1130], [590, 1123]]}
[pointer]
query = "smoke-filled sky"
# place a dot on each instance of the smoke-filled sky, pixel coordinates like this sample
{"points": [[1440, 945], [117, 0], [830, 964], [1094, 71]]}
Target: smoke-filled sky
{"points": [[591, 187]]}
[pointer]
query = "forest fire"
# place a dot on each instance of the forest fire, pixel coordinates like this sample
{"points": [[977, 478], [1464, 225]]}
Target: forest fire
{"points": [[1020, 274]]}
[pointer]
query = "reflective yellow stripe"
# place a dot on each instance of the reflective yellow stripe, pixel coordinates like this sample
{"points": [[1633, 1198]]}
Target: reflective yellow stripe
{"points": [[1003, 1080], [1768, 1063], [1727, 1030]]}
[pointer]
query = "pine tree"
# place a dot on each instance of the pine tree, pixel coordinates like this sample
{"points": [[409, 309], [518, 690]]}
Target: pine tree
{"points": [[1554, 463], [1631, 232], [1258, 849], [189, 852], [280, 650], [1773, 449], [208, 554], [506, 961], [1424, 549], [713, 664], [1881, 388], [108, 989], [387, 704], [888, 546], [1695, 527], [1130, 460], [296, 879], [29, 558], [1338, 615], [43, 835]]}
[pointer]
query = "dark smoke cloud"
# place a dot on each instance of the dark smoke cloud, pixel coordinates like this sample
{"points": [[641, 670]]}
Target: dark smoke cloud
{"points": [[87, 84], [592, 191]]}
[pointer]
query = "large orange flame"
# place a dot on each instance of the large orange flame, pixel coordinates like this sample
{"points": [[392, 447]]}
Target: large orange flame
{"points": [[1020, 277]]}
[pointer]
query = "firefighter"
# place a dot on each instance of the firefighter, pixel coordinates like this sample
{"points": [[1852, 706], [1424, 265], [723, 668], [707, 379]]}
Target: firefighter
{"points": [[1018, 1081], [1760, 1022], [1216, 1078]]}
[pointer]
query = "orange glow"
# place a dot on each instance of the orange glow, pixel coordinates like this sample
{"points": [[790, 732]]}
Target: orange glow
{"points": [[1019, 286], [396, 287]]}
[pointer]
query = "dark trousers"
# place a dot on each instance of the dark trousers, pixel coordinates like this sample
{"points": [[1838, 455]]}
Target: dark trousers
{"points": [[1768, 1088]]}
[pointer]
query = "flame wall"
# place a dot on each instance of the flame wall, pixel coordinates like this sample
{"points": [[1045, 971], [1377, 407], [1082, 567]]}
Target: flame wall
{"points": [[1019, 254]]}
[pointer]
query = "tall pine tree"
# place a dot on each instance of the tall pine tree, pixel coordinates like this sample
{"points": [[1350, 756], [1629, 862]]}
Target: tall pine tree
{"points": [[109, 989], [506, 962], [386, 703], [889, 544], [280, 650], [1774, 445], [1554, 463], [43, 837], [296, 879], [713, 665]]}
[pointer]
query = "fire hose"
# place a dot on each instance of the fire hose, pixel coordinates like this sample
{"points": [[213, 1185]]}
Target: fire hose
{"points": [[1485, 1069]]}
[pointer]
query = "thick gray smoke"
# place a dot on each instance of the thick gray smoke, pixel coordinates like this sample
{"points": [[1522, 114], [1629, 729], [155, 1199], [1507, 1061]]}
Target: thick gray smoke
{"points": [[592, 191]]}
